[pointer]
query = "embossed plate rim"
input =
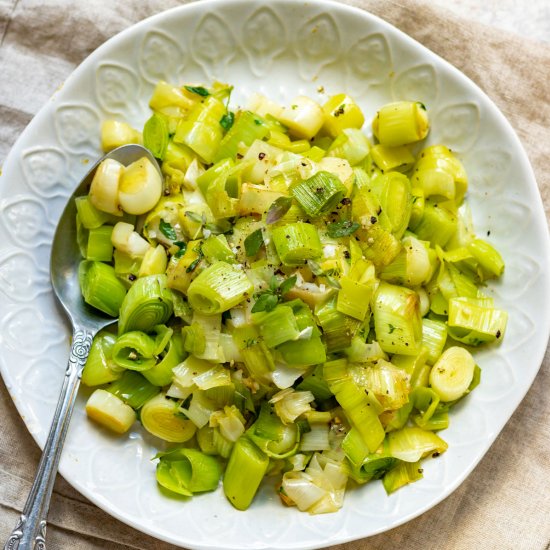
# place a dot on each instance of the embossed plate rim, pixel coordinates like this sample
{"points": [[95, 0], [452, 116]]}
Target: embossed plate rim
{"points": [[314, 526]]}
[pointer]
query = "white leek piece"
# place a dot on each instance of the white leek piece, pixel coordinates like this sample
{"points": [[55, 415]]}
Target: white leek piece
{"points": [[125, 239], [105, 186], [110, 411], [154, 261], [320, 488], [140, 187], [230, 422], [303, 118], [263, 106], [290, 404], [115, 134]]}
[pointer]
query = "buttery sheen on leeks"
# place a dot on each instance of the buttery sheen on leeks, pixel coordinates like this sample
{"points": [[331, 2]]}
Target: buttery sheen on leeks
{"points": [[295, 297]]}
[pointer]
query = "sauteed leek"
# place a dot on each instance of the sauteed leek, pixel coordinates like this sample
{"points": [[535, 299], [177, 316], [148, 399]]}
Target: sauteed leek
{"points": [[295, 299]]}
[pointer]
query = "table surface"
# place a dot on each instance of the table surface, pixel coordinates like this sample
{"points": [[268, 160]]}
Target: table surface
{"points": [[77, 524]]}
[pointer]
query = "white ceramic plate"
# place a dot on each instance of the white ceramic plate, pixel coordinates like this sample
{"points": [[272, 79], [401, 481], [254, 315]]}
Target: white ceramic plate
{"points": [[281, 48]]}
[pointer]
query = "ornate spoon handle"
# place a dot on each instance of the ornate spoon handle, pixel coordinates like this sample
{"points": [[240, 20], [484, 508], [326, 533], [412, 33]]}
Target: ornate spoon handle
{"points": [[30, 531]]}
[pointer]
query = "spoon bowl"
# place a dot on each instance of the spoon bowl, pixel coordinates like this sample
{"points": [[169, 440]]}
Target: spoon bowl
{"points": [[65, 254], [30, 531]]}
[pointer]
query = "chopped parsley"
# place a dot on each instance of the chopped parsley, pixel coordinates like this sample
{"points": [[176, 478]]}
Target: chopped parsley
{"points": [[193, 265], [343, 228], [199, 90], [182, 248], [167, 230], [194, 217], [279, 207], [253, 242], [268, 299], [227, 120]]}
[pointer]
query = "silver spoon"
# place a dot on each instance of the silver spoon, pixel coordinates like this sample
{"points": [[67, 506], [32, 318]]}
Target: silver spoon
{"points": [[30, 531]]}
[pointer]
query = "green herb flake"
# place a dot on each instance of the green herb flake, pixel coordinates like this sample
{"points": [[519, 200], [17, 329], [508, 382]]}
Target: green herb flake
{"points": [[279, 207], [315, 268], [268, 299], [199, 90], [227, 120], [253, 242], [213, 228], [167, 230], [193, 265], [194, 217], [265, 302], [287, 285], [391, 327], [318, 271], [182, 248], [342, 229], [273, 283]]}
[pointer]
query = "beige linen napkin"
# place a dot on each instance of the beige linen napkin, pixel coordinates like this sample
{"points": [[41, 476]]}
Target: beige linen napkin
{"points": [[505, 502]]}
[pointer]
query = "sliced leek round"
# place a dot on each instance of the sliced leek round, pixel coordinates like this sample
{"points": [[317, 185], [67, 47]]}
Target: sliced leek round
{"points": [[160, 416], [148, 303], [219, 288], [452, 374]]}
